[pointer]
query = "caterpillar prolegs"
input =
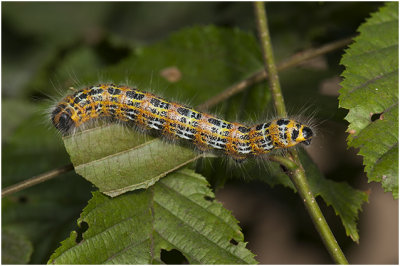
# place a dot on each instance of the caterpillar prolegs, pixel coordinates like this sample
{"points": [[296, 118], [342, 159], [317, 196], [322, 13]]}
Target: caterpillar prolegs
{"points": [[174, 120]]}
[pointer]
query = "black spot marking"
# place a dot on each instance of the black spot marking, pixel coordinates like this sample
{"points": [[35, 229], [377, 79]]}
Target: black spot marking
{"points": [[183, 111], [223, 140], [215, 122], [196, 115], [295, 134], [244, 129], [114, 91], [245, 137], [134, 95], [76, 100], [191, 136], [164, 105], [224, 125], [83, 96], [95, 91], [281, 122], [155, 102]]}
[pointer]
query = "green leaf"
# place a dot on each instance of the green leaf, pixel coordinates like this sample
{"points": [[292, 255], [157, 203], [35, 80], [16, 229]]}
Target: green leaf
{"points": [[15, 248], [117, 159], [345, 200], [178, 212], [370, 92]]}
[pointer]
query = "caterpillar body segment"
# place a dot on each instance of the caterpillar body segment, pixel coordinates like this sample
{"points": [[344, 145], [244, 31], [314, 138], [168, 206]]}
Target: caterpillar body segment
{"points": [[174, 120]]}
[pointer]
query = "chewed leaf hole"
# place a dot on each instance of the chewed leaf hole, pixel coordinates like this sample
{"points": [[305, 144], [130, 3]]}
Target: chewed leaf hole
{"points": [[233, 242], [173, 257], [208, 198], [82, 229], [377, 116]]}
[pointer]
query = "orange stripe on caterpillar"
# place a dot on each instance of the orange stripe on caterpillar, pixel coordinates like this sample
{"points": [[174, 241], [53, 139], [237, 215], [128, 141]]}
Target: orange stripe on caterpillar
{"points": [[205, 131]]}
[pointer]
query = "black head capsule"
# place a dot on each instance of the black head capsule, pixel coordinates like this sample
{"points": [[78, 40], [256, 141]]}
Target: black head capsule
{"points": [[62, 120], [307, 135]]}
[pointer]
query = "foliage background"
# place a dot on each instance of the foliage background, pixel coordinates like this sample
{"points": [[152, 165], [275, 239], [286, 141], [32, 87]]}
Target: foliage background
{"points": [[51, 46]]}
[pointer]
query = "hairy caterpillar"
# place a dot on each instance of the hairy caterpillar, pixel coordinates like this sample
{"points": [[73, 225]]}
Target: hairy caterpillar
{"points": [[174, 120]]}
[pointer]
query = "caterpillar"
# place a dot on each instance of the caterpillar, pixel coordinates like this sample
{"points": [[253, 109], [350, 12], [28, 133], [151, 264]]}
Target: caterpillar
{"points": [[174, 120]]}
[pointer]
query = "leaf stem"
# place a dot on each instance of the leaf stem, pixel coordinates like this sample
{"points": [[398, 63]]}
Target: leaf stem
{"points": [[292, 162], [36, 180]]}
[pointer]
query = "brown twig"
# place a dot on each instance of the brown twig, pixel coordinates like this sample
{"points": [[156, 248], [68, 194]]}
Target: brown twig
{"points": [[261, 75], [36, 180]]}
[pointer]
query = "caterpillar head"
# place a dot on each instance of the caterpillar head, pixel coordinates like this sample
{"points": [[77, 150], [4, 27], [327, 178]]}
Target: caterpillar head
{"points": [[61, 118], [305, 135], [299, 133], [286, 133]]}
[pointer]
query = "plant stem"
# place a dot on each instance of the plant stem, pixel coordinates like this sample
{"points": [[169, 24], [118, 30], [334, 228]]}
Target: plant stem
{"points": [[296, 170], [269, 61], [36, 180], [300, 180]]}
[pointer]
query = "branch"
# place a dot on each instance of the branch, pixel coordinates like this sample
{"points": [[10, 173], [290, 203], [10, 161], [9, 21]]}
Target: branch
{"points": [[36, 180], [261, 74], [297, 173]]}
